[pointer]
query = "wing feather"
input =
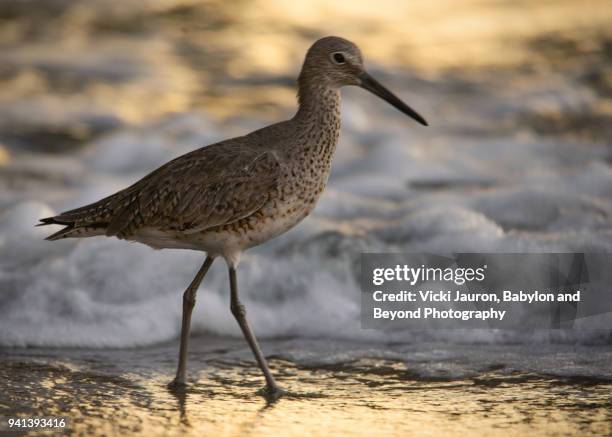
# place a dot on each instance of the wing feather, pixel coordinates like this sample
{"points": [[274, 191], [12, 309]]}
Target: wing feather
{"points": [[198, 191]]}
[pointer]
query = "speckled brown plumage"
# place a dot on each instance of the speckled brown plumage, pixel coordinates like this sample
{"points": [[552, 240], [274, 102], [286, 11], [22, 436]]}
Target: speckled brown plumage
{"points": [[235, 193], [232, 195]]}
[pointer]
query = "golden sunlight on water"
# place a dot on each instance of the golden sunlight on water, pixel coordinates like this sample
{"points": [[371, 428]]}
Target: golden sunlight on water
{"points": [[429, 35], [269, 37], [140, 60], [370, 397]]}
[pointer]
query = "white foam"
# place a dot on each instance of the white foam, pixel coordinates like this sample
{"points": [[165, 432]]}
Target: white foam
{"points": [[151, 145], [389, 194]]}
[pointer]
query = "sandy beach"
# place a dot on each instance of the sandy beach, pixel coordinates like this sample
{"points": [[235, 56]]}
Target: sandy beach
{"points": [[334, 388]]}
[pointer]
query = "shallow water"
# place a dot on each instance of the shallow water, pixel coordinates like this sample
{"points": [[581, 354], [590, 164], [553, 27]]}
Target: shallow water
{"points": [[334, 388]]}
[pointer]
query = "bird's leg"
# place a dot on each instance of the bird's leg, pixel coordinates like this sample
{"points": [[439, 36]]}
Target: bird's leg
{"points": [[240, 314], [189, 299]]}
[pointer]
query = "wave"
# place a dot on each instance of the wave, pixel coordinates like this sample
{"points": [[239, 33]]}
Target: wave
{"points": [[386, 194]]}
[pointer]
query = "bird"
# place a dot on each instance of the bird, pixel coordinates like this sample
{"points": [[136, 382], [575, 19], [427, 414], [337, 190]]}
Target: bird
{"points": [[227, 197]]}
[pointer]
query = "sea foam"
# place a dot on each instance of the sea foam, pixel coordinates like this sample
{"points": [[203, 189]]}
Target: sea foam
{"points": [[452, 194]]}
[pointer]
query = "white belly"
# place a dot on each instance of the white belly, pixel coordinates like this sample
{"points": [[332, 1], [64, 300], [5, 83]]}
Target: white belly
{"points": [[229, 241]]}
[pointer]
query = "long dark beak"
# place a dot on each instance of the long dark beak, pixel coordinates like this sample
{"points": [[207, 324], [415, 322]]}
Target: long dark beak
{"points": [[375, 87]]}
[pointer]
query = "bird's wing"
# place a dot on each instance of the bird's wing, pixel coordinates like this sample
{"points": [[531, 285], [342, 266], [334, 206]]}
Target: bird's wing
{"points": [[216, 186], [208, 187]]}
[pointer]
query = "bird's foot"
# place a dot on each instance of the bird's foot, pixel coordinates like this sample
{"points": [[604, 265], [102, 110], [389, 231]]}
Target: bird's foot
{"points": [[272, 393], [177, 384]]}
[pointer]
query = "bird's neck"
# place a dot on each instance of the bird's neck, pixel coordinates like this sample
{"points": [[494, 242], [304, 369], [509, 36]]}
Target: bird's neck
{"points": [[317, 98], [318, 118]]}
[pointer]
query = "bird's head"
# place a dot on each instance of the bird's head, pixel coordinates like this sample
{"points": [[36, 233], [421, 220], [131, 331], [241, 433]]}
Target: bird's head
{"points": [[336, 62]]}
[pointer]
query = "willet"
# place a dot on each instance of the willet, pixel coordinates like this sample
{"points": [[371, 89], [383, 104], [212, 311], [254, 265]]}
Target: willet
{"points": [[227, 197]]}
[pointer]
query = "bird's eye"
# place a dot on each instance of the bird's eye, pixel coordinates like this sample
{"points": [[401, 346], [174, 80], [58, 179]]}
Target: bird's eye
{"points": [[338, 58]]}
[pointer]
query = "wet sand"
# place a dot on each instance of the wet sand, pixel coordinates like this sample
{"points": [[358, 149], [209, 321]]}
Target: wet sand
{"points": [[334, 389]]}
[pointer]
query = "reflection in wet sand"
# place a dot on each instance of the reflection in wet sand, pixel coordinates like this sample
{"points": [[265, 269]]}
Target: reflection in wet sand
{"points": [[366, 397]]}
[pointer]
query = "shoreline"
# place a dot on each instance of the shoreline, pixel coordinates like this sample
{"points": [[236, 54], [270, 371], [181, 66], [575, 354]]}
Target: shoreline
{"points": [[334, 388]]}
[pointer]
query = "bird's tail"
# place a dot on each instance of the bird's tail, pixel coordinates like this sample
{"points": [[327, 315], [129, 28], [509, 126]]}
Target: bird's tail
{"points": [[71, 230], [92, 219], [63, 233]]}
